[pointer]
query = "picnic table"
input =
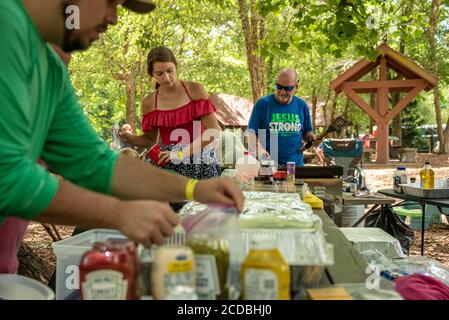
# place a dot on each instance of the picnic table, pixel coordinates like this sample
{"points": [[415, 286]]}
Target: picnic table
{"points": [[439, 203], [375, 199], [349, 266]]}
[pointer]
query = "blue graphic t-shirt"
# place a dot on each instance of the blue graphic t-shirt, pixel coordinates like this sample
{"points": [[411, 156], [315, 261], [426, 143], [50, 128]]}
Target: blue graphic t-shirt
{"points": [[284, 125]]}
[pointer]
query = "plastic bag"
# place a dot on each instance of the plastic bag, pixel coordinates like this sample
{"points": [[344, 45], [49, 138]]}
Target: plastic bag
{"points": [[388, 221], [217, 220]]}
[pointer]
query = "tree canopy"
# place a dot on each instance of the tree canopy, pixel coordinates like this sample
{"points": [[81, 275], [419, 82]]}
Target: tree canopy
{"points": [[237, 46]]}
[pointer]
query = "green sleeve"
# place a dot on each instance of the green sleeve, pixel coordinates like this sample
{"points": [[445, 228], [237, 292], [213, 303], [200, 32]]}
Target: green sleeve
{"points": [[74, 150], [26, 189]]}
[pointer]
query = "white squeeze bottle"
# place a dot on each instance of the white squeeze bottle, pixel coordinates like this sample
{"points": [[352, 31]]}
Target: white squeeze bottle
{"points": [[247, 165]]}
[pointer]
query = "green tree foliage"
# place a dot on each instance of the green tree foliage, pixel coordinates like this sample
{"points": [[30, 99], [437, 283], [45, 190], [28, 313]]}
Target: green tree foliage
{"points": [[411, 120], [206, 41], [318, 38]]}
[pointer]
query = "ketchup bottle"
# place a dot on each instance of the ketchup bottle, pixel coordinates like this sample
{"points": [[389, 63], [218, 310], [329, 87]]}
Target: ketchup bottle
{"points": [[109, 272]]}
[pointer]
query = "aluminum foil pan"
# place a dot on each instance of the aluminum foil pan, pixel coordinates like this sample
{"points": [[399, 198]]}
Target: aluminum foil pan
{"points": [[364, 239], [441, 190], [269, 210], [306, 268], [297, 247]]}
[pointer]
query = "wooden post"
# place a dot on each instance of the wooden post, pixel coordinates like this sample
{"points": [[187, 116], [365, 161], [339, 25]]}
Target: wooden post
{"points": [[382, 125], [382, 147], [431, 141]]}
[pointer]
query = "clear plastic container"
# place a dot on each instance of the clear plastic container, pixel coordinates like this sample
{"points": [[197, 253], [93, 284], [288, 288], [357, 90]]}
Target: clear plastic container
{"points": [[291, 168], [116, 143], [248, 165], [68, 254], [400, 177]]}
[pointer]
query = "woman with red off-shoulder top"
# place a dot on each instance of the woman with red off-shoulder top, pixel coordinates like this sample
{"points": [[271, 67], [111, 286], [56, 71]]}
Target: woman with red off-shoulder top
{"points": [[179, 116]]}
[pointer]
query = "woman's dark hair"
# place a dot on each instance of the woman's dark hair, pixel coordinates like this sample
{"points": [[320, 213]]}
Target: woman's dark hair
{"points": [[159, 54]]}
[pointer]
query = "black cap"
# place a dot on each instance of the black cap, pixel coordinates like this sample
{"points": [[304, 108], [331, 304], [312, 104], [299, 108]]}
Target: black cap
{"points": [[139, 6]]}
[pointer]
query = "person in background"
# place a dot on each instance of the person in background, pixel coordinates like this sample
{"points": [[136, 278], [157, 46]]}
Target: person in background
{"points": [[126, 128], [179, 113], [129, 152], [319, 150], [285, 120], [41, 119]]}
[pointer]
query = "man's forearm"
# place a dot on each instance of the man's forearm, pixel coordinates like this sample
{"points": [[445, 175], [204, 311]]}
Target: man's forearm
{"points": [[134, 180], [73, 205]]}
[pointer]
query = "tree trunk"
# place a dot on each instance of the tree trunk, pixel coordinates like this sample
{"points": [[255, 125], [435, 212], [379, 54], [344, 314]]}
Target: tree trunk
{"points": [[253, 26], [372, 103], [446, 137], [437, 103], [345, 113], [314, 103], [271, 73], [131, 91], [396, 97], [397, 121], [433, 24], [142, 82], [333, 108], [329, 92]]}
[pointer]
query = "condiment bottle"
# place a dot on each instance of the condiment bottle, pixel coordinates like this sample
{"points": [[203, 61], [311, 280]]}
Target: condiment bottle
{"points": [[173, 266], [265, 274], [427, 176], [108, 272], [400, 177], [212, 264]]}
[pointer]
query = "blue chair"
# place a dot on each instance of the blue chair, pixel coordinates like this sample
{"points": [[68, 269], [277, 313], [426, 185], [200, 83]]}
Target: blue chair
{"points": [[344, 152]]}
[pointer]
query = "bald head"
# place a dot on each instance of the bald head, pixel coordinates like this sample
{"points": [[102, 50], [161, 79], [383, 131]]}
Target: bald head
{"points": [[288, 75], [286, 85]]}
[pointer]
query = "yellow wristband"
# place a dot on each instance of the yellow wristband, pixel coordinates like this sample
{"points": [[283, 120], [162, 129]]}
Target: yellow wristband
{"points": [[190, 188], [180, 155]]}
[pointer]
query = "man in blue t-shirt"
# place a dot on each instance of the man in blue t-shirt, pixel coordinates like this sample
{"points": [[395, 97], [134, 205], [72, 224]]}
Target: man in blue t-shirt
{"points": [[281, 122]]}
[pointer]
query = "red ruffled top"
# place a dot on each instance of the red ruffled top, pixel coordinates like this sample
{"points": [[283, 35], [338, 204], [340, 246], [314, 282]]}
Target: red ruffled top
{"points": [[168, 121]]}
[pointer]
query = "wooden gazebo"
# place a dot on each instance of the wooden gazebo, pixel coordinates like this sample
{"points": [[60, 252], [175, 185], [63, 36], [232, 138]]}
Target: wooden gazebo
{"points": [[414, 80]]}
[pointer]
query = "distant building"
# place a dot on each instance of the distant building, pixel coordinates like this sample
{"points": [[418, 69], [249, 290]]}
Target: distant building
{"points": [[234, 112]]}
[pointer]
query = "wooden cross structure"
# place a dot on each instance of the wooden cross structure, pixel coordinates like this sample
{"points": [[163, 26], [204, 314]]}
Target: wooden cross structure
{"points": [[413, 80]]}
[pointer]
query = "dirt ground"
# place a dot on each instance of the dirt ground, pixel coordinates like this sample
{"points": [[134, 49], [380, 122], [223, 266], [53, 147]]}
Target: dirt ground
{"points": [[378, 177]]}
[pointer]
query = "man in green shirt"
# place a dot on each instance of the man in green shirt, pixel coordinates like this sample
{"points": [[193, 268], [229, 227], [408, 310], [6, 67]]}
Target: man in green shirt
{"points": [[41, 118]]}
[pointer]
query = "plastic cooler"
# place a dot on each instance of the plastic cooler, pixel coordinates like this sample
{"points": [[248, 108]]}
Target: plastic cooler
{"points": [[68, 254], [433, 216]]}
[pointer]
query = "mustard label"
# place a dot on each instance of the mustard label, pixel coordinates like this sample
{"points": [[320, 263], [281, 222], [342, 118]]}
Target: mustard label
{"points": [[180, 266], [261, 285]]}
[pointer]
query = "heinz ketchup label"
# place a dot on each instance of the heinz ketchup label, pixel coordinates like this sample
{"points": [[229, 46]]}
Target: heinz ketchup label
{"points": [[109, 272]]}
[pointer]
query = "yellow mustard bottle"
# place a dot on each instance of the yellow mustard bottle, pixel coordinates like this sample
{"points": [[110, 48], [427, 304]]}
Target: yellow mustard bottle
{"points": [[427, 176], [265, 274]]}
